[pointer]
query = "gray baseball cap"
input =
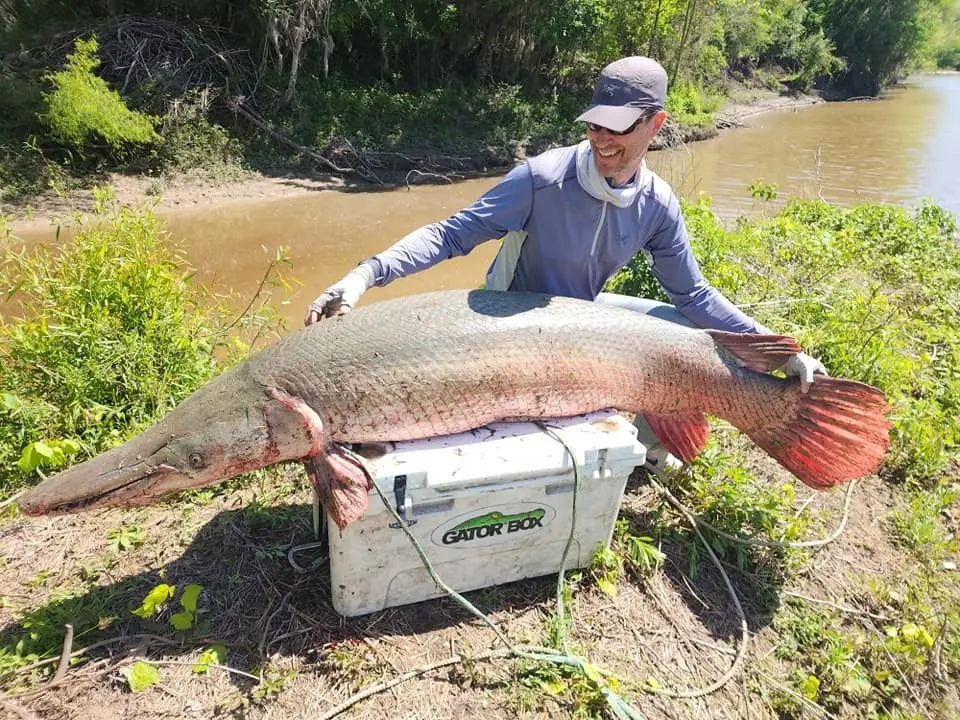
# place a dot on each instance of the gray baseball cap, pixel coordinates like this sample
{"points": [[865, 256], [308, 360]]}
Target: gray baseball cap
{"points": [[626, 90]]}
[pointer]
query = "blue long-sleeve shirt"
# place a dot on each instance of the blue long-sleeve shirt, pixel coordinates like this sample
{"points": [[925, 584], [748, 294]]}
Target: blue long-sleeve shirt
{"points": [[559, 239]]}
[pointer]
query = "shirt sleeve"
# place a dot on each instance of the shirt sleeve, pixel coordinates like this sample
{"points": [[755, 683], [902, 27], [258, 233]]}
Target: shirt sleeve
{"points": [[503, 208], [677, 271]]}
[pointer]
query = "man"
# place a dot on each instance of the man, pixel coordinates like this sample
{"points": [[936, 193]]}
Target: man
{"points": [[571, 217]]}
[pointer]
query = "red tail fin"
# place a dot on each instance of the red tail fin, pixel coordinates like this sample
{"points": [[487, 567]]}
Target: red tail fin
{"points": [[839, 432]]}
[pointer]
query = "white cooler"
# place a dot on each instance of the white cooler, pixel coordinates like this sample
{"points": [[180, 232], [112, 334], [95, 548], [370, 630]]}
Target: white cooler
{"points": [[488, 507]]}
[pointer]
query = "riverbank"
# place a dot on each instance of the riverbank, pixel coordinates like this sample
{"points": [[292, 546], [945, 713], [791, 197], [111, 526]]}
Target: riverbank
{"points": [[187, 191]]}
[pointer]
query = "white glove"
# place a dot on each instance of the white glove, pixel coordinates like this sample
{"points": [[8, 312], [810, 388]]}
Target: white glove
{"points": [[341, 296], [805, 366]]}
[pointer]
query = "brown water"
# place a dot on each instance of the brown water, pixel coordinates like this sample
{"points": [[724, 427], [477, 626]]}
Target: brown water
{"points": [[899, 149]]}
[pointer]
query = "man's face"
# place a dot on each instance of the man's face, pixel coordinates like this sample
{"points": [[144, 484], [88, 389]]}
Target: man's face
{"points": [[619, 156]]}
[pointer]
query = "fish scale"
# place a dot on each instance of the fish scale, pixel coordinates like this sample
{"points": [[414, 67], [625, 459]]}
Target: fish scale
{"points": [[447, 362], [441, 364]]}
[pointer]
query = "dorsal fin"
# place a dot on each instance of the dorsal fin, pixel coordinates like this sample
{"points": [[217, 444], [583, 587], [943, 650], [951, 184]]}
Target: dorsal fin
{"points": [[761, 353]]}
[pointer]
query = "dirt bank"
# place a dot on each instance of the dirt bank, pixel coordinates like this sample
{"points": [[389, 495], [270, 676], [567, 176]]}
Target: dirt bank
{"points": [[188, 191]]}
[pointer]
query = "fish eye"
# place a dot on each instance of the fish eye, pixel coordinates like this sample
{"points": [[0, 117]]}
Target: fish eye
{"points": [[195, 460]]}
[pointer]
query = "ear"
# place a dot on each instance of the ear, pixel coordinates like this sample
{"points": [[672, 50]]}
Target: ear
{"points": [[658, 120]]}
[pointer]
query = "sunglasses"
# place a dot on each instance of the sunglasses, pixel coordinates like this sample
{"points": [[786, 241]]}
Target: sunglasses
{"points": [[593, 127]]}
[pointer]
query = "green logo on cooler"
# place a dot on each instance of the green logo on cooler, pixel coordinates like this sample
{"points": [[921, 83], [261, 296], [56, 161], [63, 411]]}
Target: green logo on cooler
{"points": [[493, 524]]}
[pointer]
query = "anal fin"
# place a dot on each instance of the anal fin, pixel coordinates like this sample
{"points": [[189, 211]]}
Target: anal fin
{"points": [[682, 435]]}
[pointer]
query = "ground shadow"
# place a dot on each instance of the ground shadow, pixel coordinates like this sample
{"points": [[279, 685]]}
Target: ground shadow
{"points": [[253, 599]]}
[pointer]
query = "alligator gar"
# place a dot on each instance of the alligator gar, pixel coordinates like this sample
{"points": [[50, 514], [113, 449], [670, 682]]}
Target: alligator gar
{"points": [[448, 362]]}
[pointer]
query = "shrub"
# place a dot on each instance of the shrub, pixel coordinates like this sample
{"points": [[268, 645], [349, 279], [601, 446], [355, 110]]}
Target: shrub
{"points": [[83, 110], [192, 142], [109, 336]]}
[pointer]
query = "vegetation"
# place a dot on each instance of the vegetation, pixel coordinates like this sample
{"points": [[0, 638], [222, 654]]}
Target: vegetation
{"points": [[82, 109], [366, 90], [102, 335], [874, 291], [105, 331]]}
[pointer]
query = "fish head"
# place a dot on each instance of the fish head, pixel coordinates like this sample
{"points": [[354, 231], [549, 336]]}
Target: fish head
{"points": [[210, 437]]}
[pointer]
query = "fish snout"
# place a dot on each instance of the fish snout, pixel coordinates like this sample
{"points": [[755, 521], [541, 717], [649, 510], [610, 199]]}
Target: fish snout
{"points": [[101, 482]]}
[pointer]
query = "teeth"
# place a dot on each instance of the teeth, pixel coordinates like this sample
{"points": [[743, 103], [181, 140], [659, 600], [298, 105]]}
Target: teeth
{"points": [[609, 153]]}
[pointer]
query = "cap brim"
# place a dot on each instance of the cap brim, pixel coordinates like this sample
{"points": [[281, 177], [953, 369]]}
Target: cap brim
{"points": [[612, 117]]}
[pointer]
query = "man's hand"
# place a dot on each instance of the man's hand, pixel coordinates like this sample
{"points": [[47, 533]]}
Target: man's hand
{"points": [[341, 296], [805, 366]]}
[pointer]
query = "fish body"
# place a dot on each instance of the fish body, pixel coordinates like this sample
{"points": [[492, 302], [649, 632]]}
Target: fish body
{"points": [[447, 362]]}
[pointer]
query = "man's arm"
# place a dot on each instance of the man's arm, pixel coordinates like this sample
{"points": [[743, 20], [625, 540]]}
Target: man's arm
{"points": [[677, 271], [503, 208]]}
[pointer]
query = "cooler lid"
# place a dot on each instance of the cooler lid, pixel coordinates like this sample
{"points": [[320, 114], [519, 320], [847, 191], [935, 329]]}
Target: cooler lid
{"points": [[510, 451]]}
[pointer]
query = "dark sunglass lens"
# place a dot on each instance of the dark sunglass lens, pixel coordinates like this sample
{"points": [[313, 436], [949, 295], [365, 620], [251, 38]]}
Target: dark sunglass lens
{"points": [[593, 127]]}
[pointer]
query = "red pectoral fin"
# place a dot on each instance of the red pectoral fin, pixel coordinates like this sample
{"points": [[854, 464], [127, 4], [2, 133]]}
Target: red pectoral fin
{"points": [[682, 435], [761, 353], [341, 485]]}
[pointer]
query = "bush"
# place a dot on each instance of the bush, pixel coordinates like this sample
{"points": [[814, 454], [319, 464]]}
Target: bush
{"points": [[192, 142], [109, 336], [82, 110], [948, 58], [457, 119], [690, 105]]}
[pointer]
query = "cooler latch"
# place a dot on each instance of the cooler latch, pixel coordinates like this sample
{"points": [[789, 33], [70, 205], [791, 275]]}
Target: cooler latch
{"points": [[403, 503]]}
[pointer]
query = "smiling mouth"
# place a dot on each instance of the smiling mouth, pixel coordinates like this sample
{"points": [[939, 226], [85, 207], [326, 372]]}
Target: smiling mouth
{"points": [[608, 153]]}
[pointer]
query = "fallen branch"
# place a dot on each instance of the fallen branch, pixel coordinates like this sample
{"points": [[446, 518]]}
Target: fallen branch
{"points": [[425, 174], [805, 701], [94, 646], [835, 606], [744, 629], [412, 675], [225, 668], [238, 107]]}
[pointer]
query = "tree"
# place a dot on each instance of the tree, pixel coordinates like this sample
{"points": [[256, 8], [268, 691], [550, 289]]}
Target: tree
{"points": [[876, 38]]}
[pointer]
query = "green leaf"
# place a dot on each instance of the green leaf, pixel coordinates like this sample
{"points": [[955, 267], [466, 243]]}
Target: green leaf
{"points": [[42, 449], [154, 599], [607, 586], [9, 401], [69, 447], [554, 687], [189, 598], [182, 620], [858, 683], [34, 455], [29, 460], [215, 655], [592, 673], [811, 687], [142, 675]]}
